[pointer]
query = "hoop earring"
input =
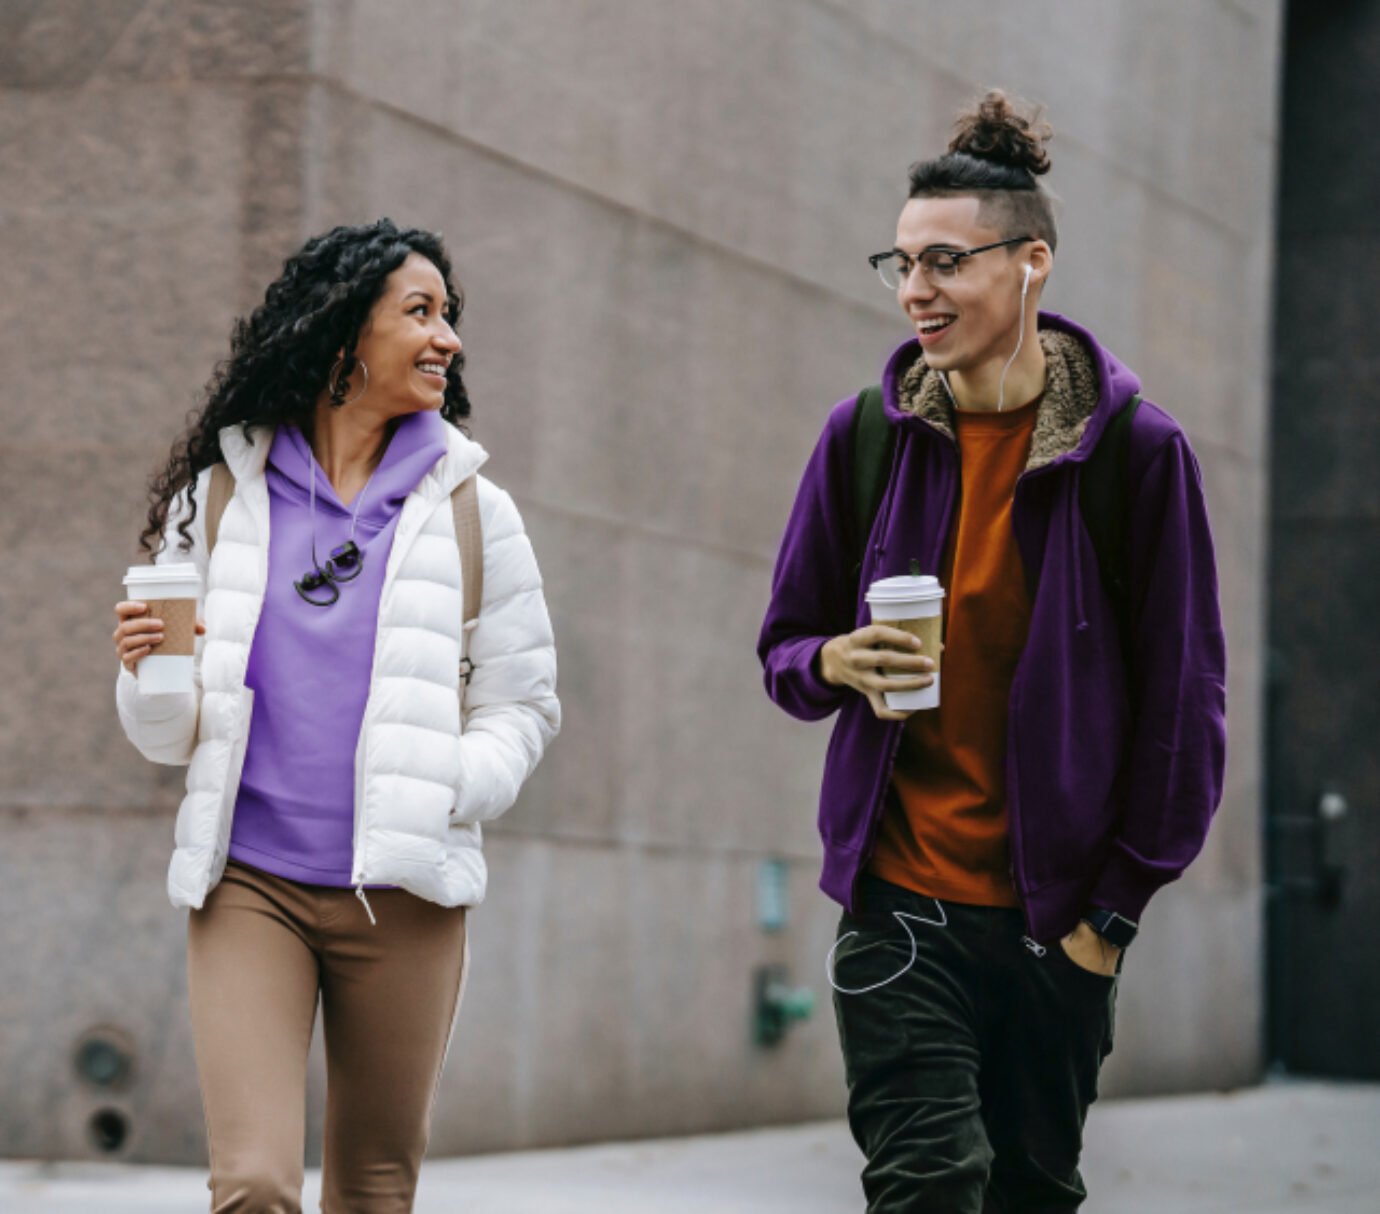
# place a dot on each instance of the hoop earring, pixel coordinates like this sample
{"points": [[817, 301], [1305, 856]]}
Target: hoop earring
{"points": [[333, 379]]}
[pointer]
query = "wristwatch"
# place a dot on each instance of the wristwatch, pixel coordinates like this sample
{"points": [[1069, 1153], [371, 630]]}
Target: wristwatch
{"points": [[1113, 928]]}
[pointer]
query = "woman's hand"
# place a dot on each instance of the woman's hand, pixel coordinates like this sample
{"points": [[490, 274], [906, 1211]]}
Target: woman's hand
{"points": [[875, 660], [136, 634]]}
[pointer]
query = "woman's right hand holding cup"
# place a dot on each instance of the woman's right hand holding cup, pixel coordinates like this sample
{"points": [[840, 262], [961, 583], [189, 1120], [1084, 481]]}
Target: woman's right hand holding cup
{"points": [[135, 635], [874, 660]]}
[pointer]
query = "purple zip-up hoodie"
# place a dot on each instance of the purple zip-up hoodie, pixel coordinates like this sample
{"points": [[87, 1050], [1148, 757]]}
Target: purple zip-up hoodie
{"points": [[1113, 769]]}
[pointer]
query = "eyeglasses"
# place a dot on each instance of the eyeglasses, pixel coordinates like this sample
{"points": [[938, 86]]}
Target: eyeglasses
{"points": [[343, 565], [894, 267]]}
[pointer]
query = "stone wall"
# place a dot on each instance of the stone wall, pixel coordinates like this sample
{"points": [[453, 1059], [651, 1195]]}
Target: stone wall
{"points": [[660, 215]]}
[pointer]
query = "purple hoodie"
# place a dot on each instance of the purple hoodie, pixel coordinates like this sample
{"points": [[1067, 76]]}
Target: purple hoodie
{"points": [[1111, 780], [310, 667]]}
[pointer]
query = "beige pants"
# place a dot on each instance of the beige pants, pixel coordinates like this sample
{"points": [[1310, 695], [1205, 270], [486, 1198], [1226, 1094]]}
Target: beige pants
{"points": [[259, 955]]}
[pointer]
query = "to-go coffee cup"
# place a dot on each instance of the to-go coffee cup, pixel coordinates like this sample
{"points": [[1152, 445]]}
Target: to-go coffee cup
{"points": [[914, 605], [171, 594]]}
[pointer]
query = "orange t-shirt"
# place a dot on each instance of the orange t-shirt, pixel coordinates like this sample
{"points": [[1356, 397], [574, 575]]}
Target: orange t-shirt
{"points": [[944, 829]]}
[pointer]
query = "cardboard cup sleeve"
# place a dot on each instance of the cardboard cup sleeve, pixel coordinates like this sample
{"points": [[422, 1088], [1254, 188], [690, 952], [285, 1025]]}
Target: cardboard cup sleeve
{"points": [[179, 626]]}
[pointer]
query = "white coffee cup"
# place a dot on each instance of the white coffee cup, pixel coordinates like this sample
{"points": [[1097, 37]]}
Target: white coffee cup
{"points": [[915, 605], [171, 592]]}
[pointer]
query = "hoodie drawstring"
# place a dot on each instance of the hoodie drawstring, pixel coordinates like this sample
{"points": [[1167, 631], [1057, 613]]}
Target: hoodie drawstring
{"points": [[368, 910]]}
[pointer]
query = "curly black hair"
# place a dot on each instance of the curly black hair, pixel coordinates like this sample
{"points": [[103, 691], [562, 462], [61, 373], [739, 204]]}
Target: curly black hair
{"points": [[997, 155], [284, 355]]}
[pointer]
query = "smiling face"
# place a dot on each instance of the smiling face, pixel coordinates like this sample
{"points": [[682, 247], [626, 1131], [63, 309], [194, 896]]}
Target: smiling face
{"points": [[972, 317], [407, 342]]}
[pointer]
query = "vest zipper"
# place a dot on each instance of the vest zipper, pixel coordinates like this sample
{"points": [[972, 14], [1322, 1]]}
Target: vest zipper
{"points": [[358, 878]]}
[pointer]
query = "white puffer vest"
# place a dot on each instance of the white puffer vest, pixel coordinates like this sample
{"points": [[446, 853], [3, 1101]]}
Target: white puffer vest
{"points": [[424, 780]]}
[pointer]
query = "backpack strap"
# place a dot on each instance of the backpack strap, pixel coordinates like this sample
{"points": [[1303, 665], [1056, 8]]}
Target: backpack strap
{"points": [[469, 536], [217, 498], [1103, 502], [873, 438]]}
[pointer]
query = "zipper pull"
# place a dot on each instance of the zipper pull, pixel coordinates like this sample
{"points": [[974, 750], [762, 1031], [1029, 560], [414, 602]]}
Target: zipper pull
{"points": [[1038, 949], [359, 893]]}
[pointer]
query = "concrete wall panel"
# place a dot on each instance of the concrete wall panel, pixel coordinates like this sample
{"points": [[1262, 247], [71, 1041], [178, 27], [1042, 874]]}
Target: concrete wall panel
{"points": [[611, 997], [660, 216], [97, 946], [127, 237], [1189, 1011]]}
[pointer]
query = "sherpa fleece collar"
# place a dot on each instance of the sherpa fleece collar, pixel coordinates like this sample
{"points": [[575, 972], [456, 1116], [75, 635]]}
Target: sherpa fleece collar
{"points": [[1071, 396]]}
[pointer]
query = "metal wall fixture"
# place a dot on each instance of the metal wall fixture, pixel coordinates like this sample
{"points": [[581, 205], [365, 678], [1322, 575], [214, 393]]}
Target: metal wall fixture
{"points": [[773, 908], [108, 1130], [103, 1059], [1324, 833], [778, 1004]]}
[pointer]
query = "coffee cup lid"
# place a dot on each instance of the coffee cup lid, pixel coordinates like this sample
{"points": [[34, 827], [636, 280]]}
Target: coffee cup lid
{"points": [[180, 574], [904, 589]]}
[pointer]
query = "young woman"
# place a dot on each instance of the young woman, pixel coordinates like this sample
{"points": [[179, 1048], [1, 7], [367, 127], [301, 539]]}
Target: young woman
{"points": [[329, 842]]}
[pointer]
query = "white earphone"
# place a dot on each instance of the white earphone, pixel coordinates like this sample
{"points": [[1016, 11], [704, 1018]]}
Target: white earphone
{"points": [[1001, 384]]}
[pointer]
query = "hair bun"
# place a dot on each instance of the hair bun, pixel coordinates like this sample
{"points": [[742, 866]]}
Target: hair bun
{"points": [[997, 131]]}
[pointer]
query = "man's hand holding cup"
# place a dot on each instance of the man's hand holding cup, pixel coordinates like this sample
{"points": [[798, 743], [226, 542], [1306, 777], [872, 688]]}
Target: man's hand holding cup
{"points": [[893, 661], [876, 659]]}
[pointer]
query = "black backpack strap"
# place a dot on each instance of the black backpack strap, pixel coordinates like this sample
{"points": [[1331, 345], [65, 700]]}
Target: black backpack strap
{"points": [[873, 437], [1103, 499]]}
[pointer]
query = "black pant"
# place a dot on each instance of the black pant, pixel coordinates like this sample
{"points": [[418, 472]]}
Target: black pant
{"points": [[970, 1075]]}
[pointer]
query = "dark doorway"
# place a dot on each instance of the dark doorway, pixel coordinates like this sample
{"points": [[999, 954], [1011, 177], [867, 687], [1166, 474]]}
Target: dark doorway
{"points": [[1323, 719]]}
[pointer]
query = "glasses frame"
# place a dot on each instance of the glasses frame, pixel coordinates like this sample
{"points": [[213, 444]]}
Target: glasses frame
{"points": [[878, 260]]}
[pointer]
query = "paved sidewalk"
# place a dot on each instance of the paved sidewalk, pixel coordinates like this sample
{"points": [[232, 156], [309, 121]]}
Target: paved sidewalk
{"points": [[1285, 1148]]}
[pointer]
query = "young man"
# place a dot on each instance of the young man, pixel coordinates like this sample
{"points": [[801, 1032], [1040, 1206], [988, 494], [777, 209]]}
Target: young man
{"points": [[994, 855]]}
